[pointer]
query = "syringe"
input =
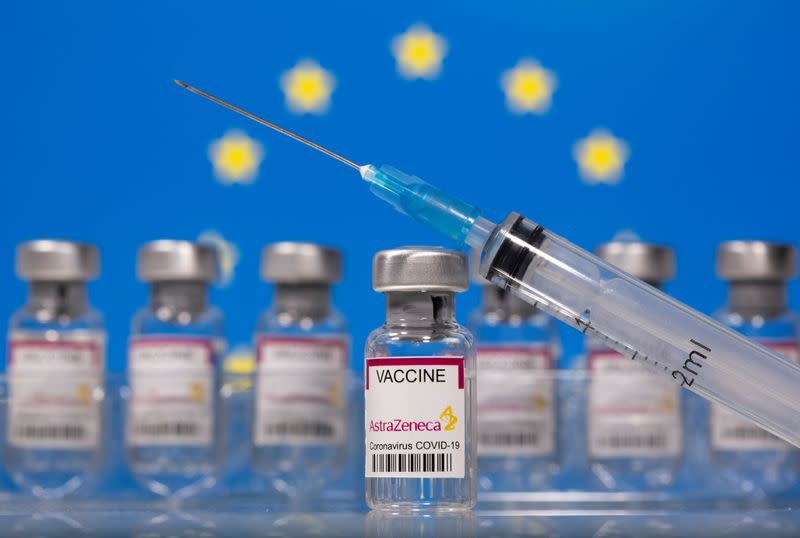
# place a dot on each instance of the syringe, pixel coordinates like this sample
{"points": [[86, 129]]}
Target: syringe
{"points": [[598, 299]]}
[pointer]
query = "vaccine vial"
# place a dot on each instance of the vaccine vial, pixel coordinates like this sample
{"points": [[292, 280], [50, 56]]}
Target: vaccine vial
{"points": [[56, 364], [757, 273], [172, 428], [300, 430], [420, 386], [517, 412], [634, 424]]}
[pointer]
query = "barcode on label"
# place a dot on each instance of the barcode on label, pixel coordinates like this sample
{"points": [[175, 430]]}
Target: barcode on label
{"points": [[747, 433], [317, 430], [167, 429], [509, 439], [655, 441], [51, 432], [406, 462]]}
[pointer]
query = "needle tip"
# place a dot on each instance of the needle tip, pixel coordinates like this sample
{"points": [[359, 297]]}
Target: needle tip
{"points": [[180, 83]]}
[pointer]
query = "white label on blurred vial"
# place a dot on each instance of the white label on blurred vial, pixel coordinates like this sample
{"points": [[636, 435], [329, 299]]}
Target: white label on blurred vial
{"points": [[730, 431], [632, 411], [301, 391], [414, 417], [516, 401], [55, 391], [172, 391]]}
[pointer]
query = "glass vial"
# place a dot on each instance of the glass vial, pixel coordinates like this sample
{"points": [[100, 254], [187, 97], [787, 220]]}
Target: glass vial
{"points": [[173, 435], [420, 386], [300, 431], [634, 425], [55, 430], [517, 413], [757, 273]]}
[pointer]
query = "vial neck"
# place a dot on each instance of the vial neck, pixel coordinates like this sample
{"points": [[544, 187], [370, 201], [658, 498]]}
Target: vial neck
{"points": [[505, 306], [303, 300], [51, 300], [170, 298], [749, 299], [410, 308]]}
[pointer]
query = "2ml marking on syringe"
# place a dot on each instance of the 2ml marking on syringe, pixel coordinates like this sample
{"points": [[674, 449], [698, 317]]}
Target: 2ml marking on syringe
{"points": [[691, 362]]}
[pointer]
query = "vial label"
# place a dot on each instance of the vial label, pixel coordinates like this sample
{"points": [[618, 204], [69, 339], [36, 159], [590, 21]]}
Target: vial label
{"points": [[414, 417], [55, 390], [516, 401], [172, 391], [301, 391], [632, 411], [730, 431]]}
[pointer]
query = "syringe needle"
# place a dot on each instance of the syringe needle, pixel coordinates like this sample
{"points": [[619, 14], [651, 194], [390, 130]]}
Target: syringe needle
{"points": [[269, 124]]}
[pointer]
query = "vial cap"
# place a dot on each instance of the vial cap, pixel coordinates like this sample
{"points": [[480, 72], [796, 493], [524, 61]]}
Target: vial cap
{"points": [[646, 261], [168, 259], [290, 262], [756, 260], [420, 269], [55, 260]]}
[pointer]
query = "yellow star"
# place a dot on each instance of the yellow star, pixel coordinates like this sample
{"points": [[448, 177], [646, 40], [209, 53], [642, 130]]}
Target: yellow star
{"points": [[601, 157], [227, 254], [528, 87], [235, 157], [307, 88], [419, 52]]}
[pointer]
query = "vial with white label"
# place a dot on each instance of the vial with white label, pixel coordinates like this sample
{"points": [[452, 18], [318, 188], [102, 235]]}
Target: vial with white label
{"points": [[173, 436], [300, 429], [634, 421], [56, 364], [517, 409], [757, 273], [420, 386]]}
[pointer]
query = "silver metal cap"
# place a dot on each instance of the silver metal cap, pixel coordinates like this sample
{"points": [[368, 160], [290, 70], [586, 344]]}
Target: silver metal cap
{"points": [[54, 260], [420, 269], [646, 261], [168, 259], [300, 263], [756, 260]]}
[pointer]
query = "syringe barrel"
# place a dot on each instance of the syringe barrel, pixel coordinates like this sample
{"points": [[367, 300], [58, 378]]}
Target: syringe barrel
{"points": [[644, 324]]}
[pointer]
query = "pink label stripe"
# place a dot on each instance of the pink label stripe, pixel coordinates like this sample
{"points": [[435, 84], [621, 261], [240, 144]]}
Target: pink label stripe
{"points": [[417, 361], [518, 350], [144, 341], [14, 345], [339, 343]]}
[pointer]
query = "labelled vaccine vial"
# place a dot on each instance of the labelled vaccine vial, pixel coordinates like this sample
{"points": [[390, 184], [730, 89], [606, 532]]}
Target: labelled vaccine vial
{"points": [[300, 431], [56, 364], [634, 422], [757, 273], [517, 351], [420, 386], [173, 435]]}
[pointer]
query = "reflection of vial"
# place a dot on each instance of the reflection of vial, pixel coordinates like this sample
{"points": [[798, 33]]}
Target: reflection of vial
{"points": [[757, 272], [634, 424], [517, 411], [419, 391], [56, 362], [300, 430], [173, 359]]}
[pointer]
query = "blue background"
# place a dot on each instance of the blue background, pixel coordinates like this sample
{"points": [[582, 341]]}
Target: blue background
{"points": [[97, 143]]}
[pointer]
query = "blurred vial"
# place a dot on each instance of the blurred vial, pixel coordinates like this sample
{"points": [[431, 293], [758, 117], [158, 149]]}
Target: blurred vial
{"points": [[517, 409], [634, 424], [300, 430], [173, 435], [56, 365], [420, 386], [757, 272]]}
